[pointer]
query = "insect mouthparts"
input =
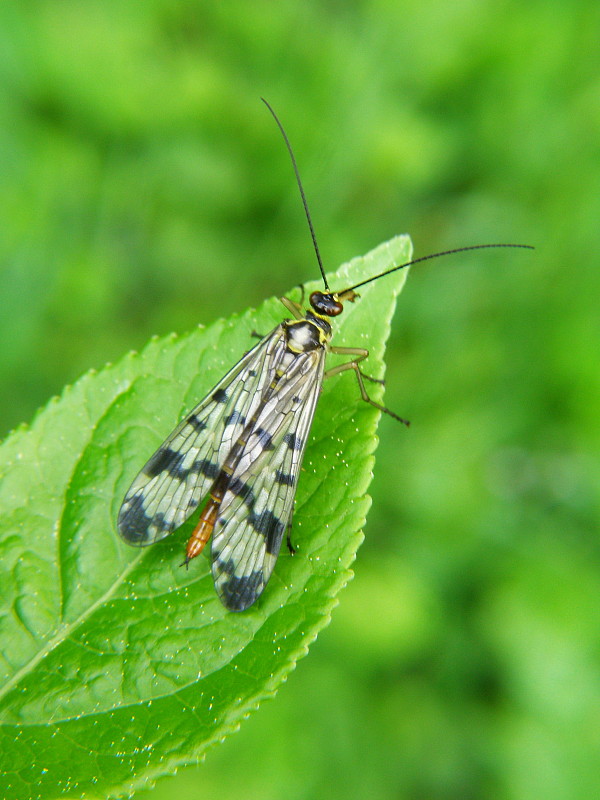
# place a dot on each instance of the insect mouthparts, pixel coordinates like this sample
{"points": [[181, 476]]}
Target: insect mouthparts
{"points": [[347, 296]]}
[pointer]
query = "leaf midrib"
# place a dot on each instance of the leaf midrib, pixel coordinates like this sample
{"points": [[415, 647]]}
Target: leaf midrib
{"points": [[65, 630]]}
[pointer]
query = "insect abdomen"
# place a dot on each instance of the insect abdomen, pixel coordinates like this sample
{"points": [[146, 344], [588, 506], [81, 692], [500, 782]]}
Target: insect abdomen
{"points": [[204, 528]]}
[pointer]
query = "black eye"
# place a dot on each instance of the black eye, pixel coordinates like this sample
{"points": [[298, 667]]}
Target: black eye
{"points": [[326, 304]]}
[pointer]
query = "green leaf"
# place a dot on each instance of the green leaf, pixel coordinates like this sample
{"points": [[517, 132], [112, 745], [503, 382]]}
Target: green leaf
{"points": [[117, 664]]}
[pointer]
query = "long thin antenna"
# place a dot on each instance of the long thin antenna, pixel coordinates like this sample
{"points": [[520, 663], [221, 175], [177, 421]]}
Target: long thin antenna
{"points": [[434, 255], [302, 195]]}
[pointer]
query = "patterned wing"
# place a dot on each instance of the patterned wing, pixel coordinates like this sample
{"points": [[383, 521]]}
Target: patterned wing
{"points": [[257, 506], [179, 474]]}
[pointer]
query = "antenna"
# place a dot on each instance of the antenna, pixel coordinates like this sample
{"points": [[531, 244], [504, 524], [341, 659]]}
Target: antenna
{"points": [[302, 195], [433, 255]]}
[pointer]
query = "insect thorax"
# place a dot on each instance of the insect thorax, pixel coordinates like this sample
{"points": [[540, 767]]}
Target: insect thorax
{"points": [[307, 334]]}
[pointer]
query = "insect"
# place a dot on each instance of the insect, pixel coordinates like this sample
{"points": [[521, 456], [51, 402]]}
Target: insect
{"points": [[242, 445]]}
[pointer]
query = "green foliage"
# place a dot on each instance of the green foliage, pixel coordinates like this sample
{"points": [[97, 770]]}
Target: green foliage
{"points": [[122, 651], [144, 188]]}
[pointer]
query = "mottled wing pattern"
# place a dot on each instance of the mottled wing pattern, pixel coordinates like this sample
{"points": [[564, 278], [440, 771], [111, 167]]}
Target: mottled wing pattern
{"points": [[257, 506], [171, 485]]}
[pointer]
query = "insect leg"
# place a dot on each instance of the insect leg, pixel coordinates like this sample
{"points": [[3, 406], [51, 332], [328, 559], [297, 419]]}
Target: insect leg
{"points": [[293, 307], [360, 354], [288, 540]]}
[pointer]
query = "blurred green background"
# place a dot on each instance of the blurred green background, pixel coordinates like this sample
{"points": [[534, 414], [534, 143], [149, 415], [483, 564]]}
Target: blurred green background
{"points": [[144, 188]]}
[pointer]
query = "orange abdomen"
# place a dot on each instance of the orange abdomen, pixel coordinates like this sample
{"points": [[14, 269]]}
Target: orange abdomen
{"points": [[202, 531]]}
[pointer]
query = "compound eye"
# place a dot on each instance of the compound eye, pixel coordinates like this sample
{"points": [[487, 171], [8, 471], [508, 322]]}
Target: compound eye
{"points": [[326, 304]]}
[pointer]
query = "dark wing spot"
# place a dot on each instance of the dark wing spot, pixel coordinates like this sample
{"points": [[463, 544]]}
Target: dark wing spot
{"points": [[293, 442], [164, 460], [220, 396], [226, 567], [238, 594], [265, 440], [269, 526], [134, 524], [234, 418], [284, 478], [243, 490], [204, 467], [170, 462], [196, 423]]}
